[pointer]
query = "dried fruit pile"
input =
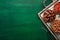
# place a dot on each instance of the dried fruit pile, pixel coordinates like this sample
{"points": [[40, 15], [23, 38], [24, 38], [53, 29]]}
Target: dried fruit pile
{"points": [[49, 16], [57, 8]]}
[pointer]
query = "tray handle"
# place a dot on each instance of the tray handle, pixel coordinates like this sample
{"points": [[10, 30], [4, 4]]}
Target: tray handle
{"points": [[44, 2]]}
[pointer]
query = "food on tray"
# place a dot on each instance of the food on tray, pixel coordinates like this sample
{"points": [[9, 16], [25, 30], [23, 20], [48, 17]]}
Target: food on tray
{"points": [[48, 16], [52, 17], [57, 8], [56, 26]]}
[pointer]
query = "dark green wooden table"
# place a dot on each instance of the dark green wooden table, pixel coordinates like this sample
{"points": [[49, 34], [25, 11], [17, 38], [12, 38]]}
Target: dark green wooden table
{"points": [[19, 20]]}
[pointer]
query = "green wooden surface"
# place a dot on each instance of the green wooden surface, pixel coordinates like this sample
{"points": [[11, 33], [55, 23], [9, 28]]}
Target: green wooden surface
{"points": [[19, 20]]}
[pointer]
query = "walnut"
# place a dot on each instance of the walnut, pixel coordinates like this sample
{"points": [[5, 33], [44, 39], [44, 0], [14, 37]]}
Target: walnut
{"points": [[55, 26]]}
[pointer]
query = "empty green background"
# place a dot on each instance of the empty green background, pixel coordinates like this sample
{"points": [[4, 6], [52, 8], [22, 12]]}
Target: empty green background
{"points": [[19, 20]]}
